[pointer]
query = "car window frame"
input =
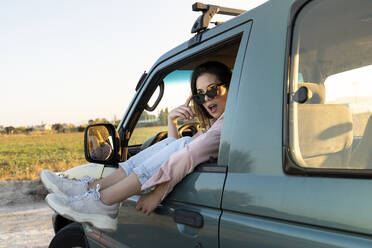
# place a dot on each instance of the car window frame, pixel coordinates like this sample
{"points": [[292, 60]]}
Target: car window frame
{"points": [[290, 166]]}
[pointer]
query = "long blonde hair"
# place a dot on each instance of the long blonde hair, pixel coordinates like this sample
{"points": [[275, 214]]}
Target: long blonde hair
{"points": [[223, 73]]}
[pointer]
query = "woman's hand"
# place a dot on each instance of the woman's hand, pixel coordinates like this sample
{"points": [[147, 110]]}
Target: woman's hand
{"points": [[183, 111], [147, 203]]}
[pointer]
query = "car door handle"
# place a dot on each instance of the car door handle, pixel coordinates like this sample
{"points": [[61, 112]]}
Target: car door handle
{"points": [[189, 218]]}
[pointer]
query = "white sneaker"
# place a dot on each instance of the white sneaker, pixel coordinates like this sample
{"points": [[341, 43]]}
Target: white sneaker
{"points": [[86, 208], [61, 185]]}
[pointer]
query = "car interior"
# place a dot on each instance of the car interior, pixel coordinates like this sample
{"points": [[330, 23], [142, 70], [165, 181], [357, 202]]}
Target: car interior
{"points": [[332, 127], [225, 53]]}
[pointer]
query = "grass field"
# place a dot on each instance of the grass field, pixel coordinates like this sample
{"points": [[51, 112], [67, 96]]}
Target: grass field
{"points": [[23, 156], [140, 135]]}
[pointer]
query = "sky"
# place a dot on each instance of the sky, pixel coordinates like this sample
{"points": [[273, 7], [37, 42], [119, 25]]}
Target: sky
{"points": [[68, 61], [352, 87]]}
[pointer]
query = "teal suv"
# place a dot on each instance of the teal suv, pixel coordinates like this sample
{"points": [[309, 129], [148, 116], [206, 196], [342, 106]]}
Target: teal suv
{"points": [[295, 159]]}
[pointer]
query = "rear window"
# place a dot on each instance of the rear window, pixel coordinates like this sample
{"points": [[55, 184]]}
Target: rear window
{"points": [[330, 123]]}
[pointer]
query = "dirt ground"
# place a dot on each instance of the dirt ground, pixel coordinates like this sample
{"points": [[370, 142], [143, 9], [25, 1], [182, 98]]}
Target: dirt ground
{"points": [[25, 219]]}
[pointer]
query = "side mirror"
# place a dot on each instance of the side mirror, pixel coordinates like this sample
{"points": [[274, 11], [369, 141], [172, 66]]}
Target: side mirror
{"points": [[102, 144]]}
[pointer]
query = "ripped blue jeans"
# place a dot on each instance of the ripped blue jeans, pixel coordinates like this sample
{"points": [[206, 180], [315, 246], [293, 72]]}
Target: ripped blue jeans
{"points": [[147, 162]]}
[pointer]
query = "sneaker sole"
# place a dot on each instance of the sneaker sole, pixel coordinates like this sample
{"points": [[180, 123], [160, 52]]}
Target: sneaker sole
{"points": [[99, 221], [51, 187]]}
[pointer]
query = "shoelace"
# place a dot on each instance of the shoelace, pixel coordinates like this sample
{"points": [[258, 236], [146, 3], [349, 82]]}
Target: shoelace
{"points": [[86, 179], [94, 193]]}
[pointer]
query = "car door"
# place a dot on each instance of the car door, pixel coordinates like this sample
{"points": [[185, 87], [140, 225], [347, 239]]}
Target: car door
{"points": [[299, 167], [189, 216]]}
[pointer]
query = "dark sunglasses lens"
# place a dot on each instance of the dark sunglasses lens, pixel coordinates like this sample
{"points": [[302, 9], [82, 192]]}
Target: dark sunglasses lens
{"points": [[212, 93], [199, 98]]}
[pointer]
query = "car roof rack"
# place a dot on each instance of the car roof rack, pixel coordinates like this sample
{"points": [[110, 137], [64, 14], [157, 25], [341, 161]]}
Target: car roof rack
{"points": [[209, 11]]}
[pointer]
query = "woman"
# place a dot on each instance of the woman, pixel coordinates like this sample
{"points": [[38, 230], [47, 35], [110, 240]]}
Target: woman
{"points": [[160, 166]]}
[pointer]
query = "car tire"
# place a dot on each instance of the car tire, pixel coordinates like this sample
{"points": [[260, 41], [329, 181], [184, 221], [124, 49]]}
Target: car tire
{"points": [[71, 235]]}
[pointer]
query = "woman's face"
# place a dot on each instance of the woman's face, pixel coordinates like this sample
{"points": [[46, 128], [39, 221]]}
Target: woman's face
{"points": [[215, 106]]}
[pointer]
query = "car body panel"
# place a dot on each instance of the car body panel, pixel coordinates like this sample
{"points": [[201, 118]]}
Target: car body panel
{"points": [[256, 183], [255, 203], [242, 230], [93, 170]]}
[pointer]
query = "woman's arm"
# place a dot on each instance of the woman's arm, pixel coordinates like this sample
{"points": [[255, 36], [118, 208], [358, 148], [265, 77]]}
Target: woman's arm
{"points": [[182, 111], [184, 161], [172, 127], [174, 170]]}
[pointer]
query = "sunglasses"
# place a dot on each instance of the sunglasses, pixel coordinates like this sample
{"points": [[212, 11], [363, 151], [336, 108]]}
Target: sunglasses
{"points": [[212, 92]]}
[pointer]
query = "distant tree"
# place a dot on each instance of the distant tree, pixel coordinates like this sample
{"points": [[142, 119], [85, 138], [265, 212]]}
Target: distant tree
{"points": [[147, 116], [101, 120], [58, 127], [20, 130], [70, 126], [9, 130], [97, 121], [81, 128], [163, 116], [29, 129]]}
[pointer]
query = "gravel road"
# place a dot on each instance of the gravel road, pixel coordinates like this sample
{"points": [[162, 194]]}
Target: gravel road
{"points": [[25, 219]]}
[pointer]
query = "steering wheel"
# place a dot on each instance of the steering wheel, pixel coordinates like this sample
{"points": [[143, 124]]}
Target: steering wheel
{"points": [[154, 139], [188, 129]]}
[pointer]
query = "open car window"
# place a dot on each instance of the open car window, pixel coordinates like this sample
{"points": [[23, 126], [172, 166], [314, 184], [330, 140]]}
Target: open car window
{"points": [[176, 91]]}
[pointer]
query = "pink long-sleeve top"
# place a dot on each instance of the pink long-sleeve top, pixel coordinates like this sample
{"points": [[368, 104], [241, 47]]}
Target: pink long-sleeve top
{"points": [[183, 162]]}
